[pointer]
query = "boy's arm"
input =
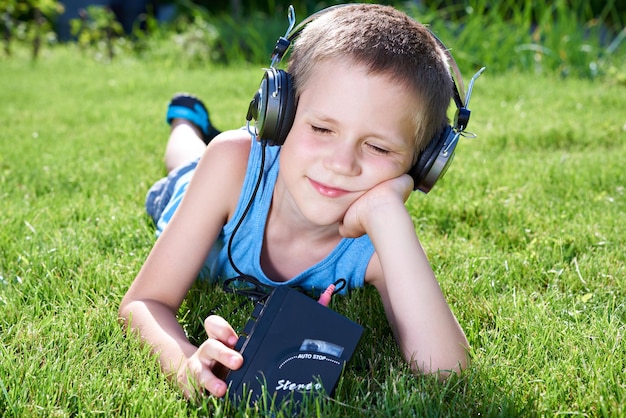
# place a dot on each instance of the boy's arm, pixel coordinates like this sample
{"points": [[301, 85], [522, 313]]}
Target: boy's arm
{"points": [[426, 330], [150, 306]]}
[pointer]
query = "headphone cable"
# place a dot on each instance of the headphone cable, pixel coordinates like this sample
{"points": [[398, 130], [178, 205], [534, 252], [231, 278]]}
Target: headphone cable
{"points": [[245, 212]]}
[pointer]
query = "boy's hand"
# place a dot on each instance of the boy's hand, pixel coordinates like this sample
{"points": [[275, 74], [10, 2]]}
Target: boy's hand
{"points": [[372, 203], [202, 370]]}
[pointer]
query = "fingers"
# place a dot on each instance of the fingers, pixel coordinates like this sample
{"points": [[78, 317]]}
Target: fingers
{"points": [[202, 370], [388, 194], [205, 369], [214, 351], [403, 186], [218, 328], [196, 376]]}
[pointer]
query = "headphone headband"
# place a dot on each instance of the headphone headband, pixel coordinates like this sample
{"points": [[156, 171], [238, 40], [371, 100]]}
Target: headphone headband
{"points": [[273, 107], [461, 118]]}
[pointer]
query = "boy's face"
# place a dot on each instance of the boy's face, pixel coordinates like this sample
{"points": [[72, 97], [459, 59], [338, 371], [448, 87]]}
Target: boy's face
{"points": [[352, 131]]}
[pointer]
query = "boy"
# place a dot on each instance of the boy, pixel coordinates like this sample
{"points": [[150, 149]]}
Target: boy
{"points": [[372, 89]]}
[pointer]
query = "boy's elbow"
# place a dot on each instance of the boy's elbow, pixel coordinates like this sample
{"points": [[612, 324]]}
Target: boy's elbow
{"points": [[446, 370], [124, 312], [122, 315], [443, 366]]}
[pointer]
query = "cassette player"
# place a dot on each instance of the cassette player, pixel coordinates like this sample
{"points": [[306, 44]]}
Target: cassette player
{"points": [[292, 346]]}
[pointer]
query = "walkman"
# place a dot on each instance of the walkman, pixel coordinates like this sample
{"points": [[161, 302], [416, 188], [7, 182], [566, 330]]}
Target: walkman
{"points": [[292, 346]]}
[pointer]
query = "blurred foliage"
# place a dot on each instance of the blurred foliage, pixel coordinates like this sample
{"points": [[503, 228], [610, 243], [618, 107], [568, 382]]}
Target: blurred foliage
{"points": [[98, 28], [506, 8], [30, 21], [570, 37], [24, 10]]}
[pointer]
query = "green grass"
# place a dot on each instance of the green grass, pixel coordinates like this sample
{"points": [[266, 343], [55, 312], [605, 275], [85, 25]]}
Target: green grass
{"points": [[525, 234]]}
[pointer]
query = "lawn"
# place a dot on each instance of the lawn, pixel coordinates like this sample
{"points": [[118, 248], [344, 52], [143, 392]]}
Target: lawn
{"points": [[525, 233]]}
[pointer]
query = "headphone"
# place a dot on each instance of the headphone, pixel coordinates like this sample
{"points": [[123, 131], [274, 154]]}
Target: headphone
{"points": [[273, 109]]}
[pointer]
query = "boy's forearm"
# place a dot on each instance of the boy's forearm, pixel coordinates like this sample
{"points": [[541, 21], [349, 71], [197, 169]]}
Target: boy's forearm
{"points": [[427, 331], [157, 327]]}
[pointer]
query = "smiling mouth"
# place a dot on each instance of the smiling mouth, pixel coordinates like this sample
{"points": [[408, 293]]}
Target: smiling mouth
{"points": [[326, 190]]}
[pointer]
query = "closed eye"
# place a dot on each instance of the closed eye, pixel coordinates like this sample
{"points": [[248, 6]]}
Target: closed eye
{"points": [[377, 150], [319, 130]]}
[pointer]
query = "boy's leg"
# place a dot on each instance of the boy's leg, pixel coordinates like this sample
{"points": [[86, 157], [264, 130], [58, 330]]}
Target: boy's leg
{"points": [[183, 146], [191, 130], [190, 134]]}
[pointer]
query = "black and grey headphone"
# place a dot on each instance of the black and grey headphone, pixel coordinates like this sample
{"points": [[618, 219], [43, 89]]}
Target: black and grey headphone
{"points": [[273, 109]]}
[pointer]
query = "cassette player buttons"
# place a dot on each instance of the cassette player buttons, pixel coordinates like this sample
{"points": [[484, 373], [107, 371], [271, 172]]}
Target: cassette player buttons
{"points": [[249, 327], [257, 310], [240, 342]]}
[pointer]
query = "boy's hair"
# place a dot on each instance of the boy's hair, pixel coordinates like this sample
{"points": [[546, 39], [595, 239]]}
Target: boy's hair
{"points": [[386, 42]]}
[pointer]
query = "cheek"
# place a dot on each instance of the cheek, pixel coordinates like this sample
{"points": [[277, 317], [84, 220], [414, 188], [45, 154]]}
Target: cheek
{"points": [[293, 157], [299, 146]]}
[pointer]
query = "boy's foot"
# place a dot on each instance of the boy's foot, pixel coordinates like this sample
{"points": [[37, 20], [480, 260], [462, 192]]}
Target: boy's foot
{"points": [[188, 107]]}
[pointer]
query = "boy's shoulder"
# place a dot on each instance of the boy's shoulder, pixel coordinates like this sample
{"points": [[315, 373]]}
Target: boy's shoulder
{"points": [[235, 138], [223, 166], [233, 146]]}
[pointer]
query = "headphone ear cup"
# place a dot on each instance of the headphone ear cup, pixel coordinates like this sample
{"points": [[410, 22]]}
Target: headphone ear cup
{"points": [[273, 107], [434, 160], [287, 112]]}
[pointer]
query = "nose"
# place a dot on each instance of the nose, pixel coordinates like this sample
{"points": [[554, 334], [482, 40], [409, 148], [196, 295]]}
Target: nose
{"points": [[343, 158]]}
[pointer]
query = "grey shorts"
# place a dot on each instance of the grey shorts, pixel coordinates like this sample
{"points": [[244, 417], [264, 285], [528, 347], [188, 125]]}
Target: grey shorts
{"points": [[161, 192]]}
